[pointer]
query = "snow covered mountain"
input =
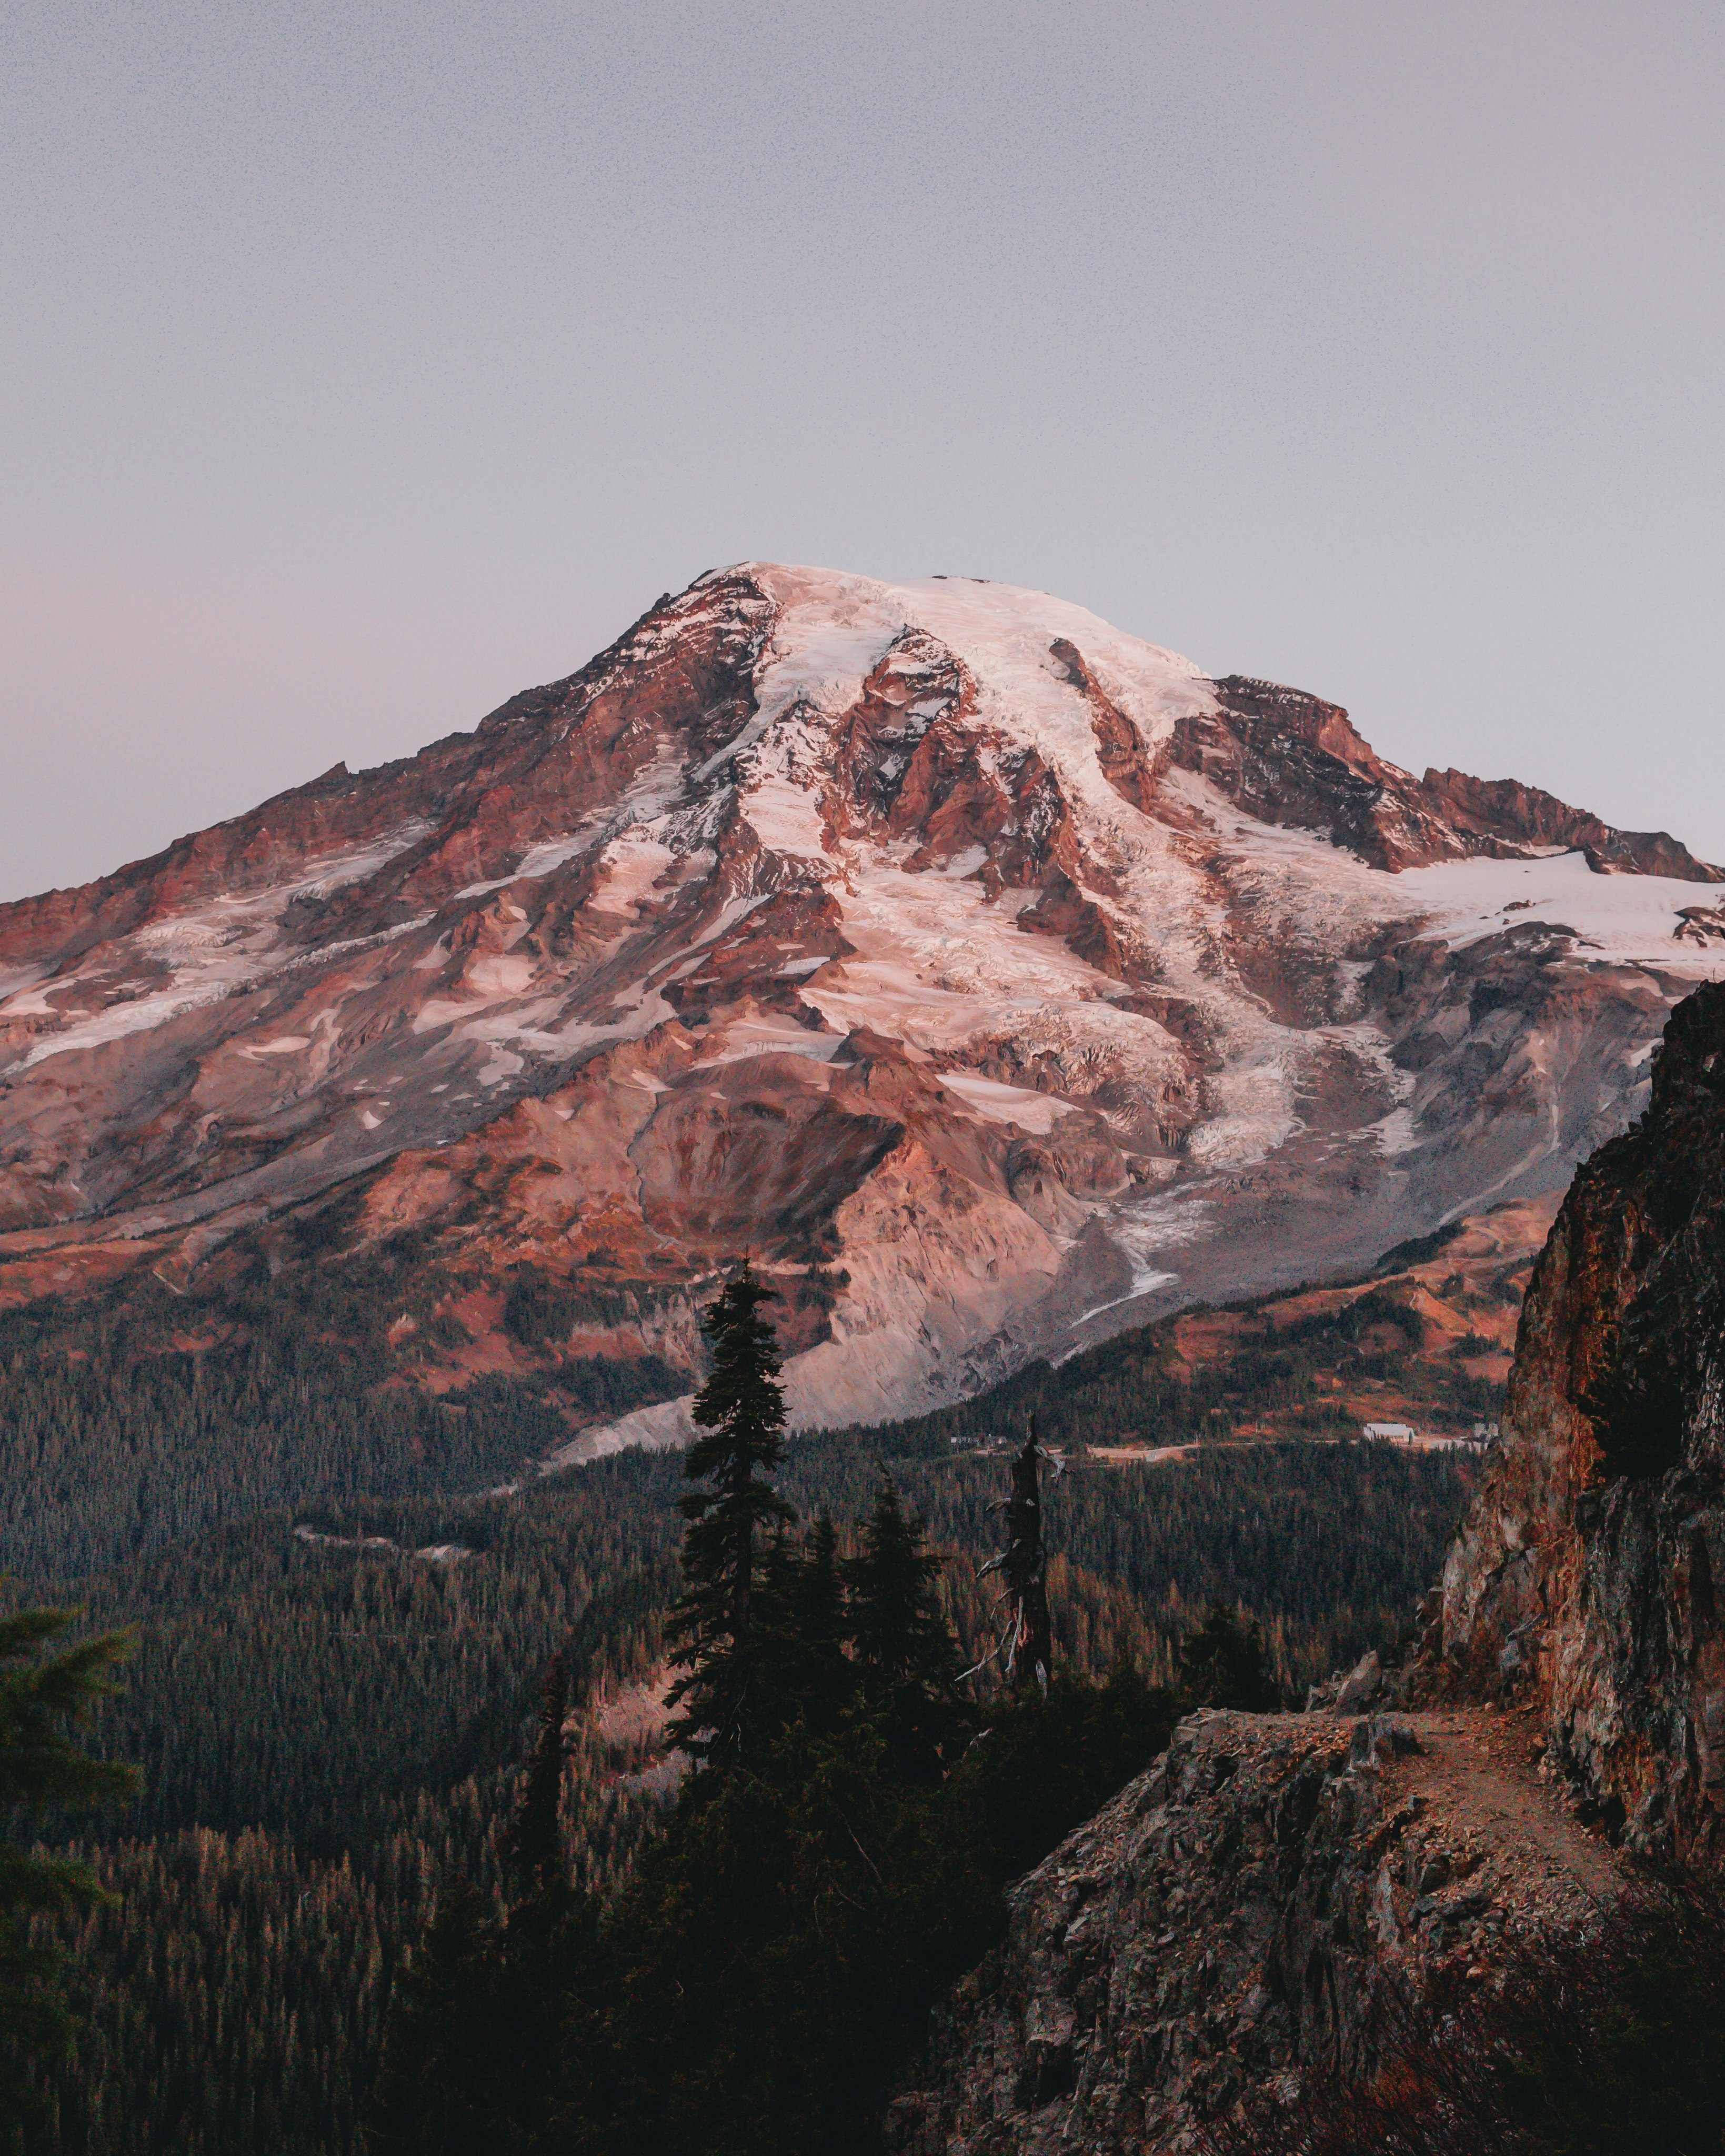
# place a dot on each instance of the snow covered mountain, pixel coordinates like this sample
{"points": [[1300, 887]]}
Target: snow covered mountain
{"points": [[1000, 980]]}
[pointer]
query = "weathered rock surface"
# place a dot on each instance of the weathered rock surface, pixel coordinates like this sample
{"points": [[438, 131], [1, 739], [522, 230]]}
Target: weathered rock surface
{"points": [[1584, 1582], [998, 978], [1241, 1914], [1292, 759]]}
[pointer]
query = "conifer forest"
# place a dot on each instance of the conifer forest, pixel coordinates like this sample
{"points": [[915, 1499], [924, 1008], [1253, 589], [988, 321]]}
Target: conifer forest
{"points": [[379, 1838]]}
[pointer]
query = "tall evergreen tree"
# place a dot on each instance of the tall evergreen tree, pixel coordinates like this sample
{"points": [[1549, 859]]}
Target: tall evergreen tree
{"points": [[740, 1413], [40, 1698], [908, 1664], [801, 1675], [446, 2063], [826, 1676]]}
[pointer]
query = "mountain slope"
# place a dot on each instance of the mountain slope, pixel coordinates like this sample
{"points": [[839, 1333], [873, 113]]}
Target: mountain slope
{"points": [[997, 977]]}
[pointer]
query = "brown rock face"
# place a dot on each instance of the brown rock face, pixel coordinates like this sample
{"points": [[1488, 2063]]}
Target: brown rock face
{"points": [[1585, 1579], [1495, 811], [1292, 759], [1242, 1916], [995, 977]]}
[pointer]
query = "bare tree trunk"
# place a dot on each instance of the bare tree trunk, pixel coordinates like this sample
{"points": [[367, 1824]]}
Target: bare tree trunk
{"points": [[1032, 1655]]}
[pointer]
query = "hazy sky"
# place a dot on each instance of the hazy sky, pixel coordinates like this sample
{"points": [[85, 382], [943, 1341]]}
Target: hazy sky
{"points": [[360, 365]]}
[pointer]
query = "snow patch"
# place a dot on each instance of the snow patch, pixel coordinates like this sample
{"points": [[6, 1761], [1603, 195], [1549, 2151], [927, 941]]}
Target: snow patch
{"points": [[633, 863], [1396, 1133], [1037, 1112], [1624, 917], [750, 1037]]}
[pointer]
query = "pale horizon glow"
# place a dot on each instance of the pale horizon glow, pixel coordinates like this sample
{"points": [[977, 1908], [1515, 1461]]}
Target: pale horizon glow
{"points": [[360, 367]]}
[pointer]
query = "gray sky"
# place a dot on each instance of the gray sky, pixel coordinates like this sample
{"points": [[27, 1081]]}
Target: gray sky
{"points": [[360, 364]]}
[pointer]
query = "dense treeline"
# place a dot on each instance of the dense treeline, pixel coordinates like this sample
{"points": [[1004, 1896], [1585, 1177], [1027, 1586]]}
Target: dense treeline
{"points": [[1329, 1545], [146, 1415], [310, 1687], [109, 1453], [227, 1993], [331, 1731], [836, 1862], [1131, 1390], [328, 1732], [230, 1996], [346, 1722]]}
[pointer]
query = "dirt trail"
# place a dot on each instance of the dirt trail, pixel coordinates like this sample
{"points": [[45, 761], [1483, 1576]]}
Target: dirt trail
{"points": [[1478, 1783]]}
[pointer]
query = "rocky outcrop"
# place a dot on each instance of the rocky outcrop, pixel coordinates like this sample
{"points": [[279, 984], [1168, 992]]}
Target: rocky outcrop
{"points": [[1496, 812], [1291, 758], [1250, 1913], [1584, 1582], [997, 978]]}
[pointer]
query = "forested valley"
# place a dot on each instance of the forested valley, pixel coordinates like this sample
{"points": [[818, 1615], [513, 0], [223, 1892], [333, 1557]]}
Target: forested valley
{"points": [[340, 1653]]}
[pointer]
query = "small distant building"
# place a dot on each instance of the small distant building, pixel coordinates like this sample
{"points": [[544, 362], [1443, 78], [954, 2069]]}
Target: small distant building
{"points": [[1391, 1433]]}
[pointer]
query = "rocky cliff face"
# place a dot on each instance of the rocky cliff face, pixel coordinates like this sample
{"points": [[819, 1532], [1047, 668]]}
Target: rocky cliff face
{"points": [[1241, 1917], [1247, 1915], [998, 978], [1291, 758], [1584, 1582]]}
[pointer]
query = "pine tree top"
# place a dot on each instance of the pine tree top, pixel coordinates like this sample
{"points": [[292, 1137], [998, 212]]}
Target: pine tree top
{"points": [[740, 1414], [740, 1409]]}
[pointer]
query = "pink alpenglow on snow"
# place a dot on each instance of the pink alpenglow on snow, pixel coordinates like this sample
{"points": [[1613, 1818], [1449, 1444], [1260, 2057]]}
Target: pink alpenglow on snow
{"points": [[999, 979]]}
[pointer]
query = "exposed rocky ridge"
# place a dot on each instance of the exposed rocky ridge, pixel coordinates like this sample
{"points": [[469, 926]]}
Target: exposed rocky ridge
{"points": [[1243, 1915], [1584, 1582], [1291, 758], [997, 977]]}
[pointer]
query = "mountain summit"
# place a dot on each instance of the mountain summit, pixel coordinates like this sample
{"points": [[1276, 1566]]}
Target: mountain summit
{"points": [[997, 978]]}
